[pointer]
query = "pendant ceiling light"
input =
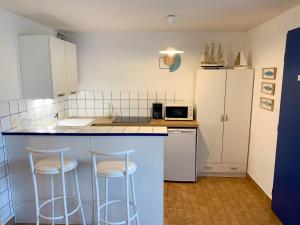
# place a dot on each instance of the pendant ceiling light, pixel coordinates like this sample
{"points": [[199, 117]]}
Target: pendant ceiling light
{"points": [[171, 56]]}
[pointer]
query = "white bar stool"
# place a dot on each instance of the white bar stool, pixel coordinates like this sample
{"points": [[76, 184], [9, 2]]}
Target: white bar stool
{"points": [[54, 165], [115, 169]]}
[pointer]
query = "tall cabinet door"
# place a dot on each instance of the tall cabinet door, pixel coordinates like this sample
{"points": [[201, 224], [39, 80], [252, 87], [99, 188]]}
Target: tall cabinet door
{"points": [[58, 66], [210, 110], [71, 67], [238, 103]]}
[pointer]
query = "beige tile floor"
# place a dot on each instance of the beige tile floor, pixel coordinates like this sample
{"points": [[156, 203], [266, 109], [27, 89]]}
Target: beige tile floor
{"points": [[217, 201]]}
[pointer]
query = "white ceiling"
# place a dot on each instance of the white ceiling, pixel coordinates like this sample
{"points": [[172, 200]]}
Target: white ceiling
{"points": [[148, 15]]}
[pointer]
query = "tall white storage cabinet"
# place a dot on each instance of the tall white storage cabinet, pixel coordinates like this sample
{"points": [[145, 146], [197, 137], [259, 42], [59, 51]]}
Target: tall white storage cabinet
{"points": [[48, 66], [223, 104]]}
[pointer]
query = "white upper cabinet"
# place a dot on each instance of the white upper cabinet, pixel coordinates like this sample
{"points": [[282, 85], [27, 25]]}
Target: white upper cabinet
{"points": [[71, 67], [48, 66], [58, 66]]}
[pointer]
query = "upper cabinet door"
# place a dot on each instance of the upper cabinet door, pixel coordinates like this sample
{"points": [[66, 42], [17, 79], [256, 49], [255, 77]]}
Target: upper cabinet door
{"points": [[71, 67], [238, 103], [210, 94], [58, 66]]}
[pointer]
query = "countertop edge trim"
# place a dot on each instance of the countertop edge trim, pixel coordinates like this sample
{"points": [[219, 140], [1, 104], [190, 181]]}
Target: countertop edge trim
{"points": [[82, 134]]}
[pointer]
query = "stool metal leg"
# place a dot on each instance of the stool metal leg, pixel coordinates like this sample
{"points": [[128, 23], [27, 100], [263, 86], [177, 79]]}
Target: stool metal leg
{"points": [[78, 196], [97, 189], [52, 198], [127, 199], [64, 188], [134, 199], [36, 195], [127, 188], [106, 197]]}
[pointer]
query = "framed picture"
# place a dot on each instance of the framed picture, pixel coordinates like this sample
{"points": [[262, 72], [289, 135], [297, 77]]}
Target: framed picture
{"points": [[269, 73], [267, 103], [267, 88]]}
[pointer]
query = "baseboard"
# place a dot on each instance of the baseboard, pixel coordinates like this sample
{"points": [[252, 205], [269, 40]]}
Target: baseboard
{"points": [[261, 191]]}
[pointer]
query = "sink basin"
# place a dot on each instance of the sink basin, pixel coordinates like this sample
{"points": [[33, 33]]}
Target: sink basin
{"points": [[75, 122]]}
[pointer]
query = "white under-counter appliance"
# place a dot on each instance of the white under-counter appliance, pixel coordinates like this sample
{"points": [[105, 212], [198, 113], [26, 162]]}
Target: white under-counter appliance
{"points": [[180, 155], [179, 111]]}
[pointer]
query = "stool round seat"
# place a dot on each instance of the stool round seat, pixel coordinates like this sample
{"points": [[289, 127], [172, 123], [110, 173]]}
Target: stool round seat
{"points": [[115, 168], [51, 165]]}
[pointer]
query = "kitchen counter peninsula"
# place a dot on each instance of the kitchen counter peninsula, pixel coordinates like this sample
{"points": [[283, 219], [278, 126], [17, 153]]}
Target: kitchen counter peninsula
{"points": [[148, 141]]}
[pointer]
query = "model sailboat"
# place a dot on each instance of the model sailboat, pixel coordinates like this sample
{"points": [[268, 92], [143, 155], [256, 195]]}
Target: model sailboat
{"points": [[241, 61]]}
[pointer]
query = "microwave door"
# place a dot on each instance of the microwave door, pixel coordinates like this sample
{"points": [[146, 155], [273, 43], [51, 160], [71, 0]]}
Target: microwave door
{"points": [[177, 112]]}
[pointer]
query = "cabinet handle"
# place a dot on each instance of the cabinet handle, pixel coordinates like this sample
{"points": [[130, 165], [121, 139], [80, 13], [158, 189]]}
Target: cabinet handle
{"points": [[226, 118], [233, 168], [73, 92], [222, 118], [208, 167], [61, 95]]}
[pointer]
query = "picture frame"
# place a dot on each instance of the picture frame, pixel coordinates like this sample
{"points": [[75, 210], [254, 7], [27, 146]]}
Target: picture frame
{"points": [[267, 88], [267, 103], [269, 73]]}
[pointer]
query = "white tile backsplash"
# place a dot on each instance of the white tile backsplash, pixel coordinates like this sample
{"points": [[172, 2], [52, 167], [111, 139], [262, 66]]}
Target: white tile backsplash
{"points": [[15, 120], [152, 95], [98, 95], [143, 95], [125, 111], [170, 95], [125, 95], [99, 112], [106, 94], [125, 103], [116, 95], [5, 123], [99, 104], [134, 112], [90, 104], [81, 112], [89, 95], [90, 112], [143, 112], [161, 95], [116, 103], [134, 104], [13, 107], [81, 95], [134, 95], [81, 104], [4, 109], [143, 104], [107, 104]]}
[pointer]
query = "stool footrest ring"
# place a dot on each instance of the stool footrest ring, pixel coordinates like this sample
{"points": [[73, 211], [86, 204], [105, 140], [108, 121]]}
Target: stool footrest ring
{"points": [[118, 222], [58, 217]]}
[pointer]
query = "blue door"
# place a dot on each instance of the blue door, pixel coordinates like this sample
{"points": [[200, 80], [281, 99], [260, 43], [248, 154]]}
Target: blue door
{"points": [[286, 188]]}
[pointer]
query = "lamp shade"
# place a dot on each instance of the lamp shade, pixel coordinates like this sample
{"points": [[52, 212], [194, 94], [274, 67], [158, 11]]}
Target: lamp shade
{"points": [[171, 51]]}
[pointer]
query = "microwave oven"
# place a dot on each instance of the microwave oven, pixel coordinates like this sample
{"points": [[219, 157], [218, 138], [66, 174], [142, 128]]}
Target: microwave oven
{"points": [[179, 111]]}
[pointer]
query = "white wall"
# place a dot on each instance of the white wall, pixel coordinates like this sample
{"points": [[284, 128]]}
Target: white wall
{"points": [[11, 26], [129, 60], [266, 44]]}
